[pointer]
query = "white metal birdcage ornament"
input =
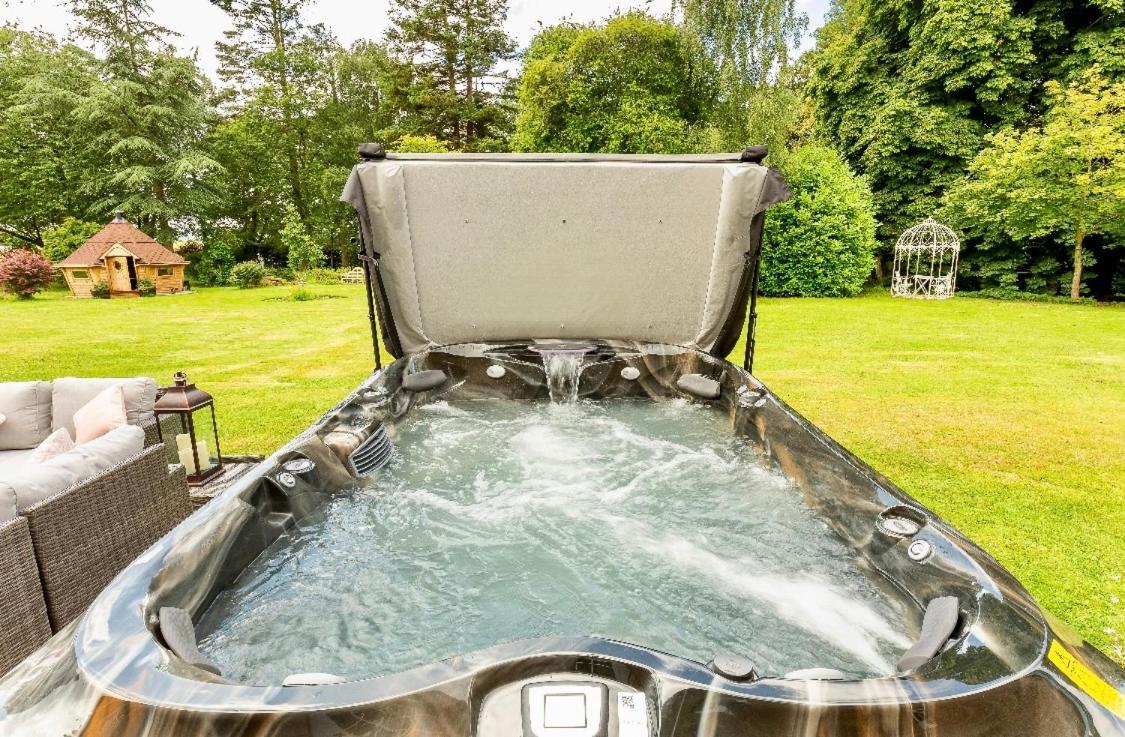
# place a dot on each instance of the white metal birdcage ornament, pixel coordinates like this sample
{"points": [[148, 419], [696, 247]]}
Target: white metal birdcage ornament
{"points": [[926, 262]]}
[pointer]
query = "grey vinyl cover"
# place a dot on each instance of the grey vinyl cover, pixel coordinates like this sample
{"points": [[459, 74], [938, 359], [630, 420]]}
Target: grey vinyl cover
{"points": [[514, 247]]}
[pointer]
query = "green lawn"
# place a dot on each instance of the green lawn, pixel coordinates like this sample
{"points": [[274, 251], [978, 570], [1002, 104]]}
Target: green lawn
{"points": [[1008, 419]]}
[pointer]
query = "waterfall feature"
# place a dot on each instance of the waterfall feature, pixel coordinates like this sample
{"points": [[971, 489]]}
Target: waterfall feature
{"points": [[562, 364]]}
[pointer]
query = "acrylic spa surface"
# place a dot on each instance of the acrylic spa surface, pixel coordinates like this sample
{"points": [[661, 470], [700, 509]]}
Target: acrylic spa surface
{"points": [[650, 523]]}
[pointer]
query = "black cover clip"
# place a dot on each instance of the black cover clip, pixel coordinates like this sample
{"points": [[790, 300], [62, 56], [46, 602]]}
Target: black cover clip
{"points": [[372, 151], [755, 154]]}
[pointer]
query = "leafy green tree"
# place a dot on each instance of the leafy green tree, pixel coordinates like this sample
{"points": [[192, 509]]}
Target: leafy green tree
{"points": [[46, 167], [62, 240], [452, 48], [1064, 178], [908, 89], [146, 119], [304, 252], [630, 85], [821, 242], [749, 43]]}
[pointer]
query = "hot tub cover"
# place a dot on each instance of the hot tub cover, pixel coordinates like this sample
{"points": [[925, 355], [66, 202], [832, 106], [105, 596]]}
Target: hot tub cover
{"points": [[497, 247]]}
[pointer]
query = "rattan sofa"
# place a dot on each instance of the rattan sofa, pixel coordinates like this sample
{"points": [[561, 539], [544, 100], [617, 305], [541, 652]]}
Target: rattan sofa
{"points": [[59, 552]]}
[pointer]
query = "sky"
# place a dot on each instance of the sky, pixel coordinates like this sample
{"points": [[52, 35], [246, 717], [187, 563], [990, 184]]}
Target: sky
{"points": [[200, 24]]}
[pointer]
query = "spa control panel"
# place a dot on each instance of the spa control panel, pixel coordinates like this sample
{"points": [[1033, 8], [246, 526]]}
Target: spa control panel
{"points": [[564, 706]]}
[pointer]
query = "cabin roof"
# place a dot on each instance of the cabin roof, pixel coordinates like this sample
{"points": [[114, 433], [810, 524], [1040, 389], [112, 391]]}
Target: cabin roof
{"points": [[121, 232]]}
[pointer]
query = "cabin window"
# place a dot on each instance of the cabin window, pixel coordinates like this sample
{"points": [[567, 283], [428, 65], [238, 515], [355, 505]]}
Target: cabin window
{"points": [[164, 271], [79, 274]]}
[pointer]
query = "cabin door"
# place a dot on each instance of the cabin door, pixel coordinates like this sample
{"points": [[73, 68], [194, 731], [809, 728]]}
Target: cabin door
{"points": [[119, 273]]}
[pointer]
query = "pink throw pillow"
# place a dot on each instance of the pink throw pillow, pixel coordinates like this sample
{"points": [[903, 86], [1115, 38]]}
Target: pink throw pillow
{"points": [[56, 443], [100, 415]]}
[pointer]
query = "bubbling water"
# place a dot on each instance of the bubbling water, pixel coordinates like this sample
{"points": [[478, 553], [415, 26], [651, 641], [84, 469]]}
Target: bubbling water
{"points": [[499, 520]]}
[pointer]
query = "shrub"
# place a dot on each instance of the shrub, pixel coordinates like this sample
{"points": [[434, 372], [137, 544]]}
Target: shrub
{"points": [[301, 295], [247, 274], [146, 288], [280, 273], [821, 242], [23, 273], [211, 267], [323, 276], [100, 290], [62, 240]]}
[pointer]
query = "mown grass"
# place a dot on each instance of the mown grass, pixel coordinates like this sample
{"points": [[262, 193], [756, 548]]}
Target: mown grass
{"points": [[1008, 419]]}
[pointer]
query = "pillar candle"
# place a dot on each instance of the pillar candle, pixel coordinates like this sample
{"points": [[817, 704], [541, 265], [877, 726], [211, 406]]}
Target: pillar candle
{"points": [[186, 460]]}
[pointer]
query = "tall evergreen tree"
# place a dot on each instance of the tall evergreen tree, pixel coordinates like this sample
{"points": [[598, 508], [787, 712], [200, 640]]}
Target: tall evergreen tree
{"points": [[265, 66], [146, 119], [295, 105], [46, 170], [454, 47]]}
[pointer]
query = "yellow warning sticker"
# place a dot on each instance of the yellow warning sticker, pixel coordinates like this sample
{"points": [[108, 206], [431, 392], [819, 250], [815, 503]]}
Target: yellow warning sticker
{"points": [[1086, 679]]}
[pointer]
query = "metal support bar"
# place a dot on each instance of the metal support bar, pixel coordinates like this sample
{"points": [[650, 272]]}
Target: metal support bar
{"points": [[752, 319], [369, 265]]}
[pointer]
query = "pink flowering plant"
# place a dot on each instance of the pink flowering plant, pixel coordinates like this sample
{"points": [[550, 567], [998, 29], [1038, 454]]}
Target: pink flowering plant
{"points": [[24, 272]]}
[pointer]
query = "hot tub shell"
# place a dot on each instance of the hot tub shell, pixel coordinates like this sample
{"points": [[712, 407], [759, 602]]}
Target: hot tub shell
{"points": [[1005, 669]]}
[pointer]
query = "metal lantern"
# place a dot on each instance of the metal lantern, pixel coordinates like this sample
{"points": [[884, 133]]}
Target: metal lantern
{"points": [[926, 262], [196, 446]]}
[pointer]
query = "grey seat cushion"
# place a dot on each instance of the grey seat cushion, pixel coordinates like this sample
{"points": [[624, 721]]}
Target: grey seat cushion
{"points": [[70, 394], [28, 484], [13, 458], [26, 406]]}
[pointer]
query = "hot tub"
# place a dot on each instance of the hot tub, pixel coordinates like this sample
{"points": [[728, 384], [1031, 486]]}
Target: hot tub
{"points": [[561, 514]]}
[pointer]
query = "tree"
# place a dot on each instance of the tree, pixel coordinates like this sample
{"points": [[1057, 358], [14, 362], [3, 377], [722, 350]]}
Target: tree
{"points": [[24, 273], [749, 42], [304, 252], [631, 85], [145, 120], [295, 105], [821, 241], [453, 48], [266, 64], [1066, 177], [62, 240], [908, 89], [46, 167]]}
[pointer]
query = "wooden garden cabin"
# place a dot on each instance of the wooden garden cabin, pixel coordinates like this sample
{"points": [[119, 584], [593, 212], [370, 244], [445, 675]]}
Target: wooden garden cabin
{"points": [[120, 254]]}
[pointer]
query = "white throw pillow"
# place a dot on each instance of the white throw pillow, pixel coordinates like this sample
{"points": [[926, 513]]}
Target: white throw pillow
{"points": [[101, 414], [56, 443], [69, 394]]}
